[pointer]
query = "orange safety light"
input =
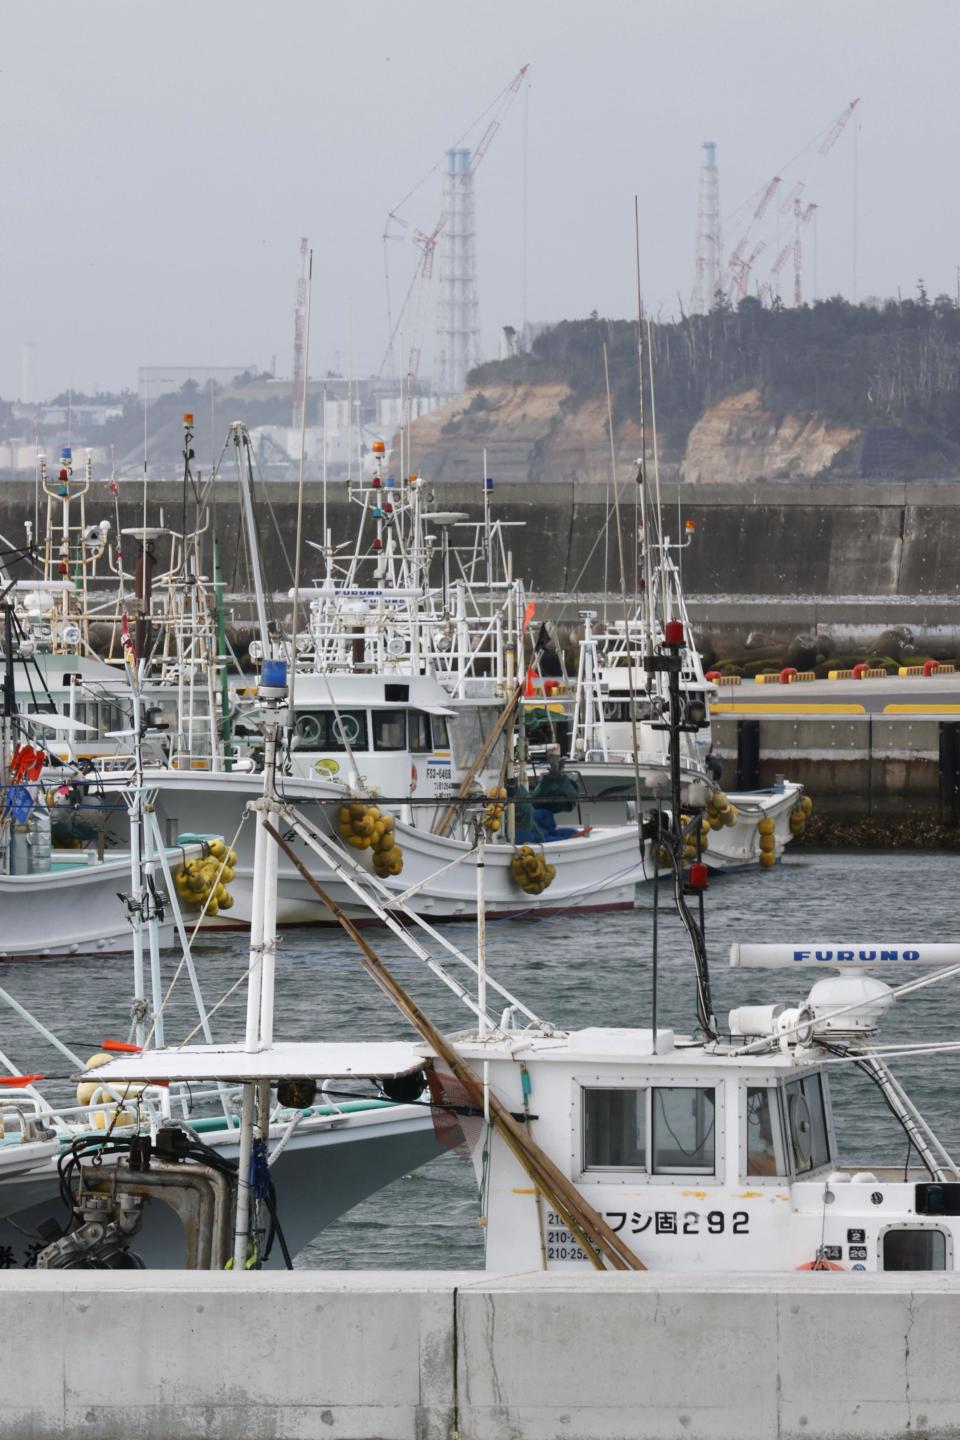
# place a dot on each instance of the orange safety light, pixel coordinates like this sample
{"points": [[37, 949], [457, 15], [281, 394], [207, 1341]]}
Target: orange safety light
{"points": [[689, 526], [378, 447], [188, 418]]}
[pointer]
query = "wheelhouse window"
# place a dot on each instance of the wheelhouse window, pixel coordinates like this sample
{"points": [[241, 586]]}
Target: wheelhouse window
{"points": [[807, 1124], [441, 740], [908, 1248], [765, 1149], [684, 1130], [469, 735], [419, 724], [389, 730], [614, 1129], [328, 730]]}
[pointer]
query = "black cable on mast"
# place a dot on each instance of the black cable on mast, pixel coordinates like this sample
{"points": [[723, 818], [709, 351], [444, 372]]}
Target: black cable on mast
{"points": [[668, 659]]}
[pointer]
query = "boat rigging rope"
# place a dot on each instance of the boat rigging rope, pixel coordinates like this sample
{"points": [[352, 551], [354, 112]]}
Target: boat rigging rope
{"points": [[183, 956]]}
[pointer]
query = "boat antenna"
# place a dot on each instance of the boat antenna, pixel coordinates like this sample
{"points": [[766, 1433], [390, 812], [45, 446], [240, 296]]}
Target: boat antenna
{"points": [[643, 561], [641, 582], [634, 738], [295, 618]]}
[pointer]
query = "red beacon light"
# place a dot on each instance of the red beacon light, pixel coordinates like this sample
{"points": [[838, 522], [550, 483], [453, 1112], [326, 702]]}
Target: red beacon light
{"points": [[698, 876], [378, 544], [673, 632], [376, 482]]}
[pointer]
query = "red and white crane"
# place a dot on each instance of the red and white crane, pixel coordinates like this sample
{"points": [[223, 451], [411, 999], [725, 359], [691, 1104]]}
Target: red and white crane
{"points": [[414, 303], [735, 263], [741, 280], [837, 128], [802, 214]]}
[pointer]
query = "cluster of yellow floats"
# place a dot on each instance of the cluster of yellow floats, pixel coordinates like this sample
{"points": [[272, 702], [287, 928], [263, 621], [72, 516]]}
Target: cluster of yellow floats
{"points": [[797, 822], [365, 827], [202, 884], [531, 871]]}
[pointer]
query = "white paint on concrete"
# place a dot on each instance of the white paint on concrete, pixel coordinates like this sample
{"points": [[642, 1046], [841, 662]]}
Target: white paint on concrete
{"points": [[467, 1356]]}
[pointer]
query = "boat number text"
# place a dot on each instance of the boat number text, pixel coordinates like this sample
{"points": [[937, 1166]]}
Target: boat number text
{"points": [[562, 1245]]}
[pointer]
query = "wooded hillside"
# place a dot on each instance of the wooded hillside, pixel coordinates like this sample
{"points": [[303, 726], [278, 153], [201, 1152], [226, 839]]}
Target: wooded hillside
{"points": [[891, 369]]}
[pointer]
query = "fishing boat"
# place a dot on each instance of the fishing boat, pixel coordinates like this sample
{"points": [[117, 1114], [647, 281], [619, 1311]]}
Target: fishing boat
{"points": [[618, 743], [73, 901], [59, 898], [404, 698], [624, 1148]]}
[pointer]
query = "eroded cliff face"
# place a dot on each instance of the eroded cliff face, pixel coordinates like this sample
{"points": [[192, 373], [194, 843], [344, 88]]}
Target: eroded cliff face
{"points": [[738, 440], [531, 433], [535, 433]]}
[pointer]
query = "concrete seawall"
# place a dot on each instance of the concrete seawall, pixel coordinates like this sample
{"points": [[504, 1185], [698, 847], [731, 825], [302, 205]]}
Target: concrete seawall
{"points": [[881, 540], [467, 1356], [853, 766]]}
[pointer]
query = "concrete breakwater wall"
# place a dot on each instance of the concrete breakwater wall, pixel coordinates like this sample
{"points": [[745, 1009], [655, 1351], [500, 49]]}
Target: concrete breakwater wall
{"points": [[466, 1356], [853, 766], [802, 548]]}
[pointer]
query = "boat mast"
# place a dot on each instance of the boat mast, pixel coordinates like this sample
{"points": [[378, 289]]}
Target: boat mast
{"points": [[241, 438]]}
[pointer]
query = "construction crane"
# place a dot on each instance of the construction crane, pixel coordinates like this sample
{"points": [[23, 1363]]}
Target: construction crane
{"points": [[299, 331], [414, 303], [769, 190], [789, 201], [741, 281], [781, 259], [735, 262], [837, 128], [801, 216]]}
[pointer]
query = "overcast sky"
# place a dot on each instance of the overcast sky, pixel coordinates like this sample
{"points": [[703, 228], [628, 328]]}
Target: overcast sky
{"points": [[160, 160]]}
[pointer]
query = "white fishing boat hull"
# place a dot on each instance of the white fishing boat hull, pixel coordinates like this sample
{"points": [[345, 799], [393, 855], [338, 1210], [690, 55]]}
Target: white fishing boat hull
{"points": [[596, 871], [331, 1164], [599, 870], [71, 910], [737, 846], [610, 786]]}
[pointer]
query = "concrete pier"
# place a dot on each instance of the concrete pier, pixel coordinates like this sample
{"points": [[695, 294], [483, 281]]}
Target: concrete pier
{"points": [[468, 1356], [852, 766]]}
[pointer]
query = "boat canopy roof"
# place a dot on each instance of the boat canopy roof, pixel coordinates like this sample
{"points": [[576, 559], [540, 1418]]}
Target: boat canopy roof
{"points": [[408, 692], [599, 1045], [55, 667], [286, 1060]]}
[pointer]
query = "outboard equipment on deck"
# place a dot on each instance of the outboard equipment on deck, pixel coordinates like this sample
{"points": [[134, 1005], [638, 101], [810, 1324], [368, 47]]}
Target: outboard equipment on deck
{"points": [[107, 1202]]}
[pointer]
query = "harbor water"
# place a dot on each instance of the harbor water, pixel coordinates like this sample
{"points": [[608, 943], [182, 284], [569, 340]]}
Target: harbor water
{"points": [[573, 970]]}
